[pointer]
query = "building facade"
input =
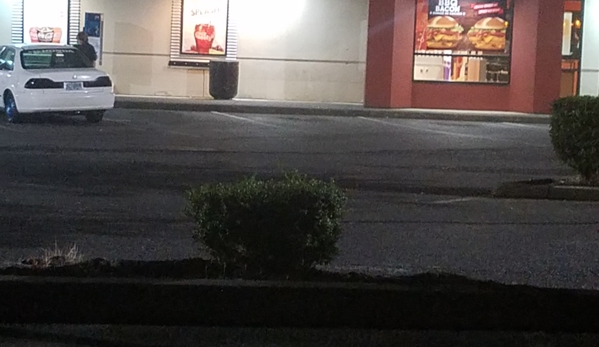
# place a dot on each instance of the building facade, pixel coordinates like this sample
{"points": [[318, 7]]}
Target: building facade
{"points": [[304, 50], [589, 72], [443, 54]]}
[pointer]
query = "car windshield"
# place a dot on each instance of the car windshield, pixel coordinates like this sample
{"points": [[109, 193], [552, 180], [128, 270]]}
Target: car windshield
{"points": [[53, 58]]}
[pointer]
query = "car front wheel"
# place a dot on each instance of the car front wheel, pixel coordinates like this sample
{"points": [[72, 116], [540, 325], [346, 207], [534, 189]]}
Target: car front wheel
{"points": [[10, 109], [94, 116]]}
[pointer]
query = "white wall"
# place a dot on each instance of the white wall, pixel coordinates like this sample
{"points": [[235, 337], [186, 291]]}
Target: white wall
{"points": [[589, 78], [314, 51], [5, 21], [305, 50], [136, 49]]}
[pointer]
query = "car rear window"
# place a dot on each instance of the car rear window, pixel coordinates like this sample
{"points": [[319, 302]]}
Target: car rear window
{"points": [[54, 59]]}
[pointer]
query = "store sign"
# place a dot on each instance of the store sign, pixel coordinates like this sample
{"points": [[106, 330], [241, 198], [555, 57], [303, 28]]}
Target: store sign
{"points": [[45, 21], [447, 8], [463, 25], [204, 27]]}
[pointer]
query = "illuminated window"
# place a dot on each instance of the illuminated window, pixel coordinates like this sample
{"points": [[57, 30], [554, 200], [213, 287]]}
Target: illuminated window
{"points": [[202, 30], [463, 41]]}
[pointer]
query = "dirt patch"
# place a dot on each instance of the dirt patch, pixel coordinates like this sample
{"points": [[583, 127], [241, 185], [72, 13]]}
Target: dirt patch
{"points": [[198, 268]]}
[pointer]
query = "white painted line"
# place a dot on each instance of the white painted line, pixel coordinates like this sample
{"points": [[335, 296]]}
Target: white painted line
{"points": [[243, 119], [449, 133], [529, 126], [503, 125], [453, 201], [178, 133], [440, 132]]}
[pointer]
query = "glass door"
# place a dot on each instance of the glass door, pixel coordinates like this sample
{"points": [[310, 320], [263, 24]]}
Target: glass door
{"points": [[571, 44]]}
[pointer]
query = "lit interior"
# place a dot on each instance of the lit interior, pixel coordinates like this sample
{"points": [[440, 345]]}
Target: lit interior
{"points": [[267, 18]]}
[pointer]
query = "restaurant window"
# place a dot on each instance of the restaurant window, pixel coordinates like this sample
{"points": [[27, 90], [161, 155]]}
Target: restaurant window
{"points": [[45, 21], [467, 41], [571, 47], [203, 30]]}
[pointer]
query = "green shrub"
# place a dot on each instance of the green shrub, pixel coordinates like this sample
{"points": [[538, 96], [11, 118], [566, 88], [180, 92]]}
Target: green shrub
{"points": [[575, 134], [269, 227]]}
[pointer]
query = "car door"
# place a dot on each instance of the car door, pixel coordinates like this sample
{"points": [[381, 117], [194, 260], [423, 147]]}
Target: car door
{"points": [[3, 53], [7, 64]]}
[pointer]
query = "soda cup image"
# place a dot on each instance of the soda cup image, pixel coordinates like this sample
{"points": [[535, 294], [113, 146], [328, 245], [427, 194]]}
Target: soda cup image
{"points": [[45, 34], [204, 36]]}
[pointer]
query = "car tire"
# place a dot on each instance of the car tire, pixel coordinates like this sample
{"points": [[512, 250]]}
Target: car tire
{"points": [[10, 109], [94, 116]]}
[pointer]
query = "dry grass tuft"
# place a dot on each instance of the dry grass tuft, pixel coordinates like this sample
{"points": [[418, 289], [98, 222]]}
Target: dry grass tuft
{"points": [[56, 257]]}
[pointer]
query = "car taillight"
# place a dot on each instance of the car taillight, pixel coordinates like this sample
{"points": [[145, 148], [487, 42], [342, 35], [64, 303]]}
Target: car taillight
{"points": [[103, 81], [43, 83]]}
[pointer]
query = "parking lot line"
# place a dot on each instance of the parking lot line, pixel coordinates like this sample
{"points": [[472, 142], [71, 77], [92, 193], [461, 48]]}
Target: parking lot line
{"points": [[244, 119], [440, 132], [529, 126], [453, 201], [449, 133]]}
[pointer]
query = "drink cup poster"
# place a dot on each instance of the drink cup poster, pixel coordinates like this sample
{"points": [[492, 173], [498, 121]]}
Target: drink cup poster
{"points": [[464, 25], [204, 27], [46, 21]]}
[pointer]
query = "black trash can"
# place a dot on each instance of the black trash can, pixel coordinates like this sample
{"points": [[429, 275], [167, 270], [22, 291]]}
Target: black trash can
{"points": [[224, 79]]}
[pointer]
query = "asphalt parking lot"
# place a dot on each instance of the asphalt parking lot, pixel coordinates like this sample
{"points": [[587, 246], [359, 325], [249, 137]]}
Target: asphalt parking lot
{"points": [[419, 189]]}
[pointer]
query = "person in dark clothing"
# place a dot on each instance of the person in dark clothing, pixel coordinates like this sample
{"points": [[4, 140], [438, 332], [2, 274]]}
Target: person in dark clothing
{"points": [[84, 47]]}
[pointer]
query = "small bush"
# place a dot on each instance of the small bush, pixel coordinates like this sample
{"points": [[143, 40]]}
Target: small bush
{"points": [[575, 134], [269, 227]]}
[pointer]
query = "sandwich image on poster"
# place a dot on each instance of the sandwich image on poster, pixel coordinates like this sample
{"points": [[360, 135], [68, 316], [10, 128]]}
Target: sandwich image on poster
{"points": [[463, 25], [489, 34], [443, 32]]}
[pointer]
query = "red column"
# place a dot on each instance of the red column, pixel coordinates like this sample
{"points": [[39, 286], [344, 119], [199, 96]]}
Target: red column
{"points": [[390, 53], [536, 55]]}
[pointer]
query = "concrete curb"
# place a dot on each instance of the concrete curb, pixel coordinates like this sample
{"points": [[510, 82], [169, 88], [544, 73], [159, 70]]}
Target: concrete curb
{"points": [[317, 109], [545, 190], [38, 300]]}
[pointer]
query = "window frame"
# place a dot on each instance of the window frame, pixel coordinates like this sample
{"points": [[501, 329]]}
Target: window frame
{"points": [[75, 51], [508, 56]]}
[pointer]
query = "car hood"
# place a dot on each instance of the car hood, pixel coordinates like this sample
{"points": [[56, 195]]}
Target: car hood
{"points": [[70, 75]]}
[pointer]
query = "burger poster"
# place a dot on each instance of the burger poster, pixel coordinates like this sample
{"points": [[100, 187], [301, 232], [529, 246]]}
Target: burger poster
{"points": [[463, 25], [204, 27]]}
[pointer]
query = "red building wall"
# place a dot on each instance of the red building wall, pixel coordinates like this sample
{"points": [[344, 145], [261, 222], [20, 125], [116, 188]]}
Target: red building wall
{"points": [[388, 81], [535, 70]]}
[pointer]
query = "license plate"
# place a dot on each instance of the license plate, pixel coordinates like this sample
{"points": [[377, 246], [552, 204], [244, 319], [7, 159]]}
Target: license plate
{"points": [[73, 86]]}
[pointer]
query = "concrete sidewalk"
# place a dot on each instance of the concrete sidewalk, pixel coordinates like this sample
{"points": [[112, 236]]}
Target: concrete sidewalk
{"points": [[318, 109]]}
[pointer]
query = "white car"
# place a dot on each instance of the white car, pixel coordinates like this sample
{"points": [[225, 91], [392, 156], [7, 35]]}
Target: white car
{"points": [[50, 78]]}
